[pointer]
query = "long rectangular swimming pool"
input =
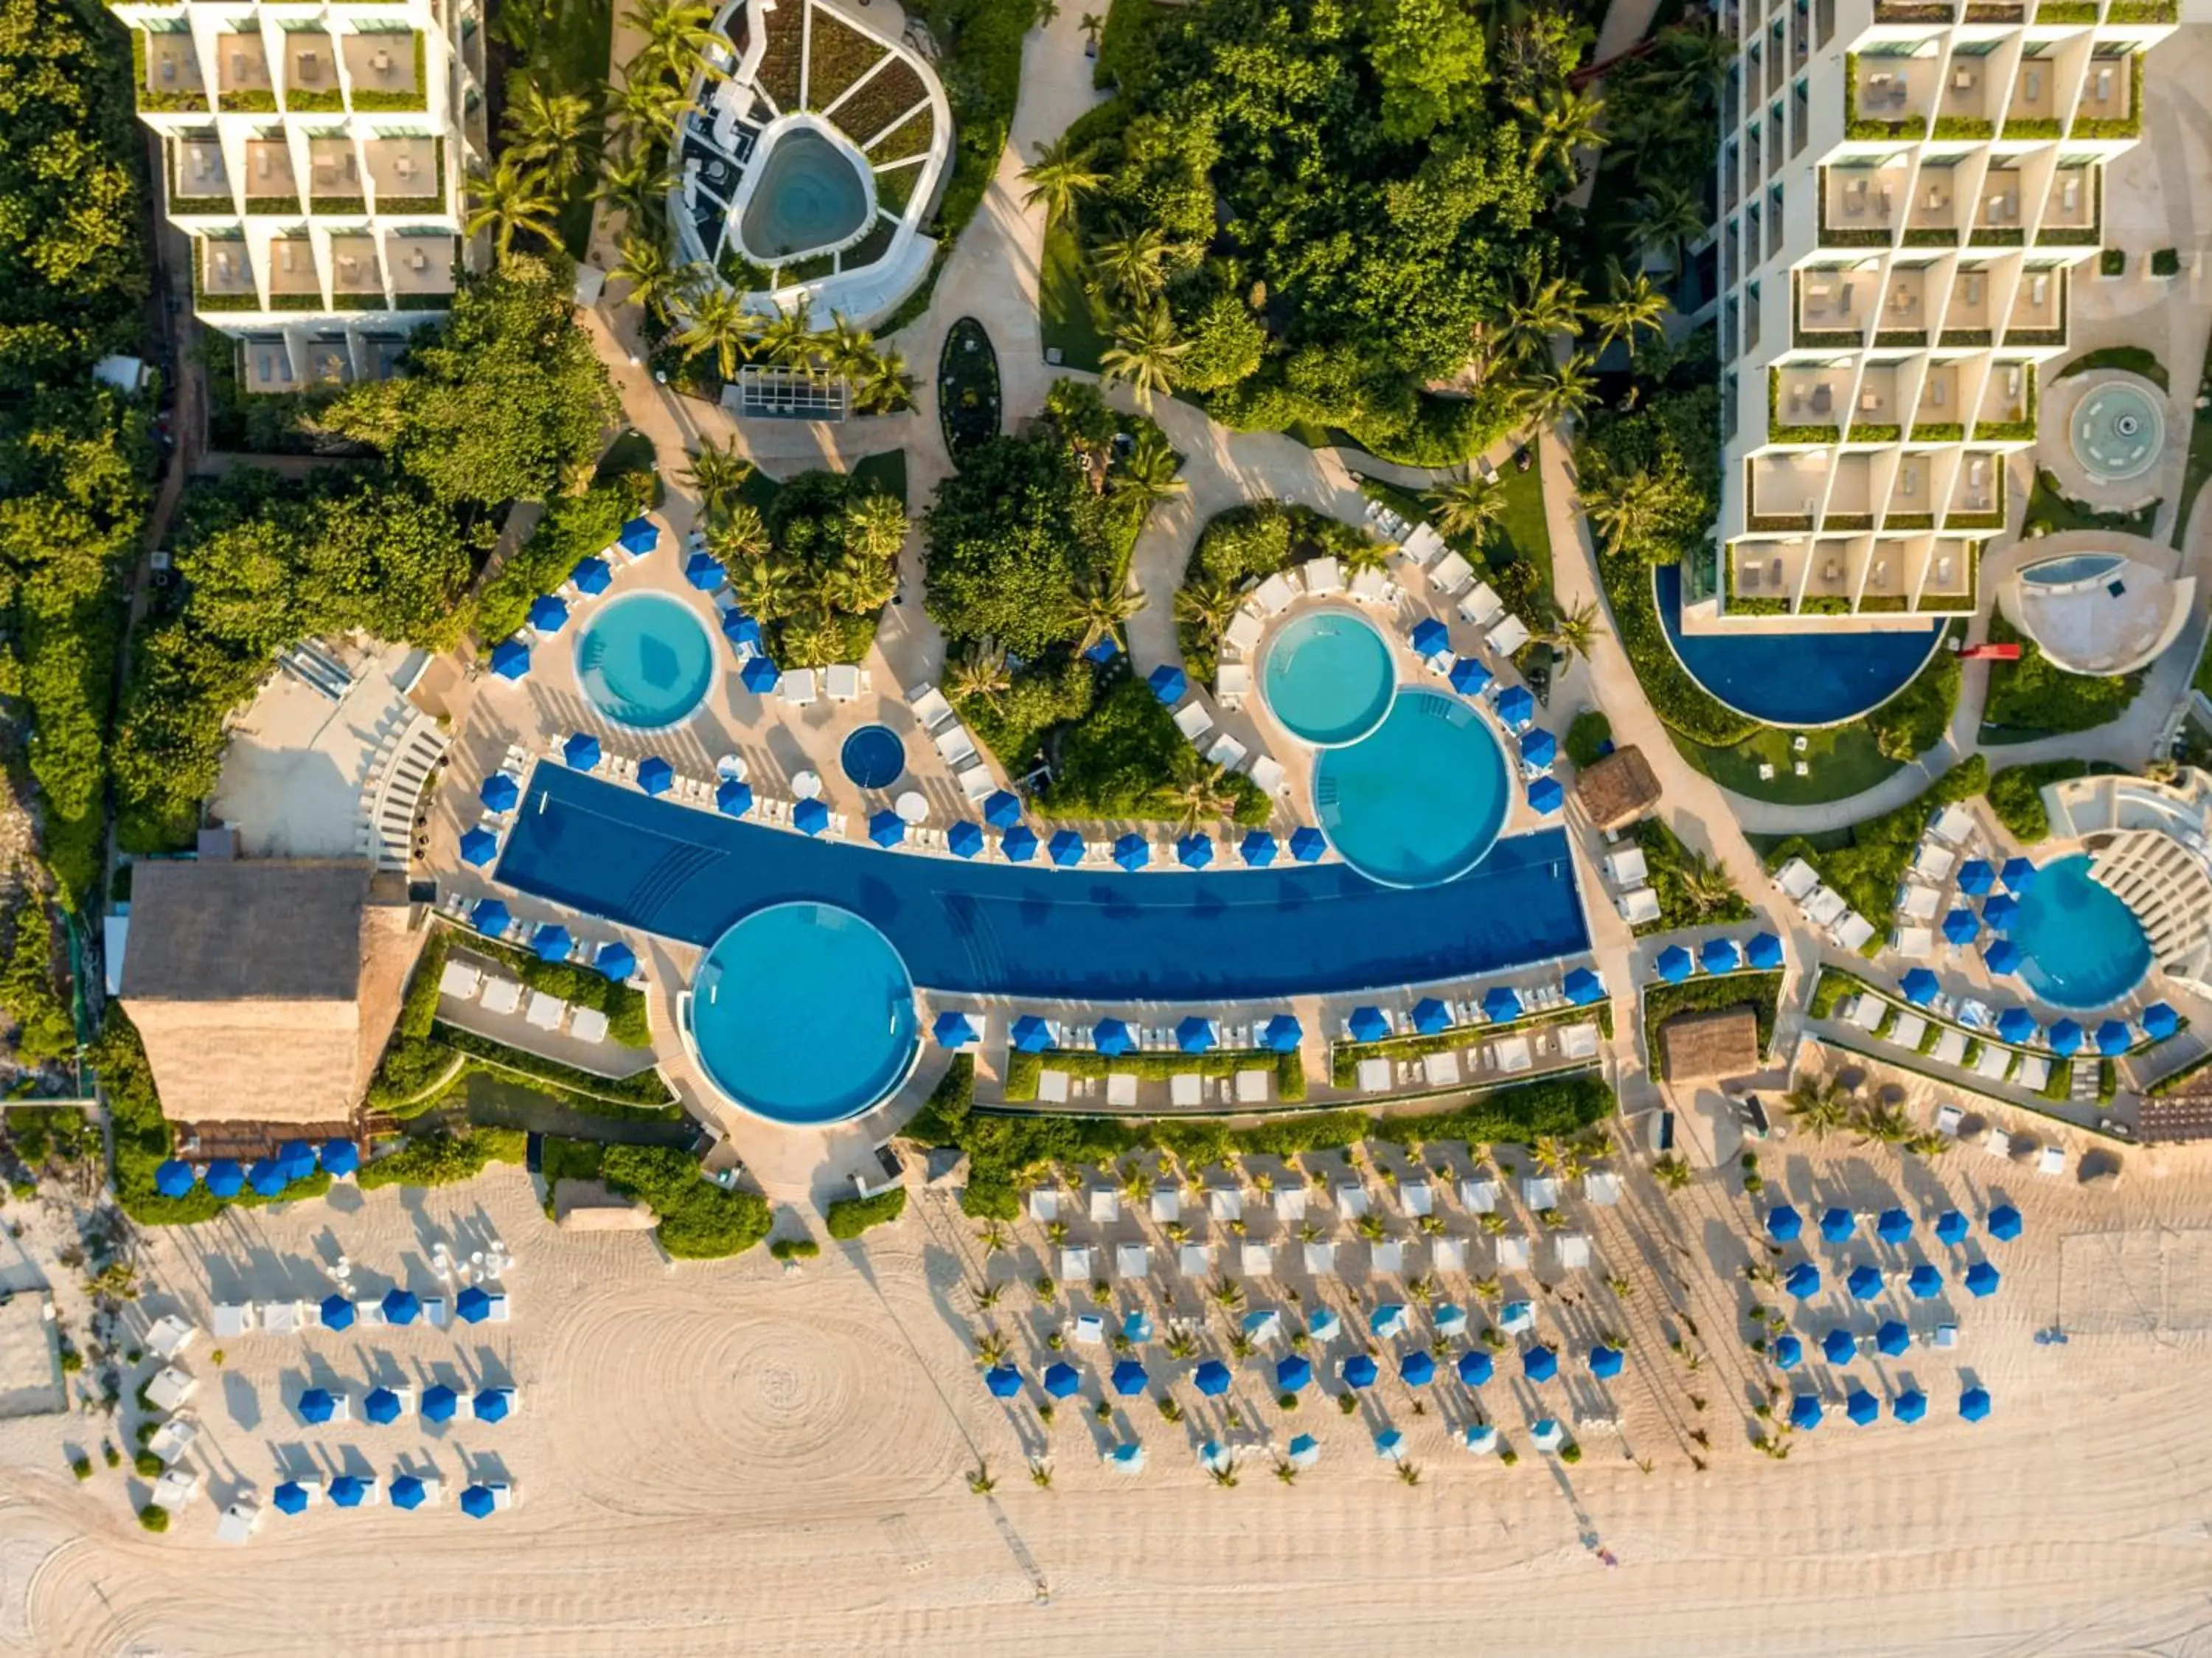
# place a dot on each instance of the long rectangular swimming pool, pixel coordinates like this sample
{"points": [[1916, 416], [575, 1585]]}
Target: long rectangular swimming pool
{"points": [[1022, 930]]}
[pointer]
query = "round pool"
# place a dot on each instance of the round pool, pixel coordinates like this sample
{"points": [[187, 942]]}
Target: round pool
{"points": [[810, 195], [1422, 799], [2117, 432], [873, 757], [1327, 677], [2081, 948], [645, 660], [804, 1014]]}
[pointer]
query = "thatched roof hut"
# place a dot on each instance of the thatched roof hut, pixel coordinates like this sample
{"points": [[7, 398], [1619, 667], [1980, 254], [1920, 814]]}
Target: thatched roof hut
{"points": [[1617, 790], [1702, 1045], [265, 990]]}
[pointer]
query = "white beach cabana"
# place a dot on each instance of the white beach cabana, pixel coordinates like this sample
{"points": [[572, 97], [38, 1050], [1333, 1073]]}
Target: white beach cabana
{"points": [[1351, 1200], [1509, 636], [1195, 1260], [1639, 906], [1166, 1205], [1256, 1260], [1512, 1252], [1448, 1254], [1132, 1260], [1479, 1196], [1374, 1076]]}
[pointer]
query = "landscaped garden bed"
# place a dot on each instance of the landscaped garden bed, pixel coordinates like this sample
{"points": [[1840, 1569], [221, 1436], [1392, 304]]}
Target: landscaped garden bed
{"points": [[968, 408]]}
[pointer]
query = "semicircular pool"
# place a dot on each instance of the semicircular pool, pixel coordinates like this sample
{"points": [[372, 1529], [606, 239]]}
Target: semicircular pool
{"points": [[1422, 799], [804, 1014], [645, 660], [2081, 947], [1327, 677]]}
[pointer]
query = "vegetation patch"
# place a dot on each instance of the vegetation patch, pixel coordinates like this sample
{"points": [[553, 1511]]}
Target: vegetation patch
{"points": [[699, 1220], [968, 405], [2129, 359], [1126, 760], [887, 96], [848, 1217], [1692, 888], [441, 1158], [2016, 797], [837, 54], [2030, 699], [2053, 512], [1866, 863], [1243, 546]]}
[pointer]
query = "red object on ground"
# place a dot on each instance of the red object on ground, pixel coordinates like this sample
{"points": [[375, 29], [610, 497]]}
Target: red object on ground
{"points": [[1990, 654]]}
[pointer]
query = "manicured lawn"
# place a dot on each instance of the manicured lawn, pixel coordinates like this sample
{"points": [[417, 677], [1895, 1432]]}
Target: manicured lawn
{"points": [[2030, 698], [1524, 527], [2198, 471], [1068, 317], [884, 473], [2054, 513], [1841, 761], [572, 55]]}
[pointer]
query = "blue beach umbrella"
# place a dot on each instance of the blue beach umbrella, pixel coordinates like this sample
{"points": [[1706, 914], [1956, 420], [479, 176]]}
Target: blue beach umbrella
{"points": [[1500, 1002], [1367, 1025], [1283, 1033], [473, 1304], [1540, 1363], [1003, 810], [1894, 1227], [1307, 844], [655, 776], [1469, 677], [1132, 851], [1783, 1224], [267, 1178], [1516, 706], [1910, 1405], [1674, 963], [1063, 1381], [1257, 849], [349, 1490], [1924, 1283], [810, 817], [1475, 1368], [1892, 1340], [639, 536], [1961, 925], [1976, 877], [1359, 1371], [1765, 951], [548, 614], [616, 960], [1431, 1016], [440, 1403], [952, 1030], [1862, 1407], [1168, 683], [1803, 1282], [2003, 1222], [581, 752], [1539, 748], [499, 792], [317, 1406], [1838, 1224], [1838, 1347], [1982, 1280], [2114, 1038], [592, 575], [291, 1497], [2002, 956], [1545, 797], [2000, 912], [1864, 1283], [1805, 1413], [1196, 1034], [1605, 1362], [402, 1306], [381, 1406], [491, 916], [1719, 955], [1018, 845], [743, 632], [2016, 1025], [173, 1178], [1065, 849], [1582, 987], [760, 675], [1974, 1404], [1111, 1037], [297, 1158], [965, 839], [1431, 638], [510, 659], [493, 1405], [1387, 1321], [2160, 1021], [1104, 652], [1194, 851], [887, 828], [1788, 1352], [1293, 1373], [1004, 1381], [224, 1177], [1211, 1379], [704, 571], [1130, 1377], [2064, 1037], [1030, 1034], [409, 1492], [1920, 986], [551, 943], [1390, 1443], [478, 1503], [1951, 1227], [479, 847], [337, 1313], [1417, 1369], [2019, 874]]}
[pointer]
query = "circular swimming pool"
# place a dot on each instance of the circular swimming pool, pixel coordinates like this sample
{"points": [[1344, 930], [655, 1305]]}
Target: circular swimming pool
{"points": [[872, 757], [1327, 677], [1419, 801], [804, 1014], [644, 660], [2117, 431], [2079, 947]]}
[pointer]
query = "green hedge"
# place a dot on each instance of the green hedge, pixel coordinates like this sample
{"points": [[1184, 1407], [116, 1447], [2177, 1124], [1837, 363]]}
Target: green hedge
{"points": [[848, 1217], [699, 1220], [1022, 1069], [1760, 991], [2016, 797], [2031, 697], [444, 1159], [643, 1095]]}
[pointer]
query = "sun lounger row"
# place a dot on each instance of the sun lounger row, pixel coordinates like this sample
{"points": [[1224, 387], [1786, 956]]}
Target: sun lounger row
{"points": [[405, 1490], [1570, 1252], [1825, 908], [476, 1305], [384, 1406]]}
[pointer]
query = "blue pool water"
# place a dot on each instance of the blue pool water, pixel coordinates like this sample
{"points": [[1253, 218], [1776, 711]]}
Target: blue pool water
{"points": [[804, 1014], [810, 195], [1795, 679], [644, 660], [2079, 947], [873, 757], [1422, 799], [1327, 677], [988, 928], [2064, 572]]}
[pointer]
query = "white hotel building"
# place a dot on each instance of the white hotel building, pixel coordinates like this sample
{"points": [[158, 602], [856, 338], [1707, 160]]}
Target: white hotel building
{"points": [[313, 151], [1909, 190]]}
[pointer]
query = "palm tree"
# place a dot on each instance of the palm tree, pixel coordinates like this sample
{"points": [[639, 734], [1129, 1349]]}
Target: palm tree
{"points": [[1408, 1474], [717, 473], [1634, 305], [991, 1349], [645, 267], [1099, 605], [1468, 506], [1818, 1104], [1201, 796], [1552, 307], [979, 674], [1133, 265], [767, 587], [1040, 1473], [721, 324], [510, 197], [1699, 54], [1092, 23], [678, 32], [847, 350], [559, 131], [1370, 1227], [1487, 1290], [1180, 1344], [1558, 396], [1228, 1294], [790, 338], [1144, 353], [1703, 883], [980, 1480], [1565, 121], [993, 1236], [741, 535], [883, 384], [811, 639], [1286, 1473], [1148, 472], [1057, 177], [1672, 1172], [1666, 219], [1209, 606], [650, 108], [1884, 1122], [1224, 1475], [876, 525], [987, 1295], [1625, 510], [859, 584], [1571, 631]]}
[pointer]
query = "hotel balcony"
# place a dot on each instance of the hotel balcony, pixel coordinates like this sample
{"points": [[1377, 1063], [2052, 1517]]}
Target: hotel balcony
{"points": [[224, 276], [197, 181], [2111, 100], [1911, 500], [242, 81], [356, 281], [293, 284], [2032, 111], [408, 174], [1932, 218], [1874, 411], [1784, 491], [1834, 306], [1997, 212], [1977, 494], [1807, 404], [1970, 315], [2070, 210], [1765, 575], [1885, 572], [386, 70], [1831, 574], [2007, 413], [334, 177], [2038, 310], [325, 361], [1947, 567], [421, 269], [170, 77], [1938, 418], [1904, 318], [1969, 104], [1859, 205], [271, 185], [1890, 97], [266, 365], [311, 72]]}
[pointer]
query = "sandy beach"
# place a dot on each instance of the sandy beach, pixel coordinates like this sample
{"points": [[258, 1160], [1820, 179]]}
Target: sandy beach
{"points": [[714, 1455]]}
